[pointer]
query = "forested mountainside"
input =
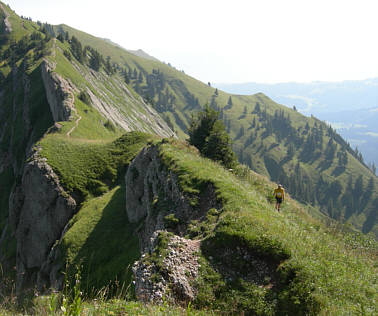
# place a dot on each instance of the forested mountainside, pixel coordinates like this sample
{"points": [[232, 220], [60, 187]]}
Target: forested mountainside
{"points": [[311, 160], [39, 87], [350, 106], [97, 191], [270, 138]]}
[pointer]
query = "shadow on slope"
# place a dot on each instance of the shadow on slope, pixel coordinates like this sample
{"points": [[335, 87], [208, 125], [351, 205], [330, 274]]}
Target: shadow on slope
{"points": [[102, 244]]}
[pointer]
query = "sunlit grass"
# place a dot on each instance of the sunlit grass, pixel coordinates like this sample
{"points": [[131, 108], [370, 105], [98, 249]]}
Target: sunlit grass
{"points": [[343, 279]]}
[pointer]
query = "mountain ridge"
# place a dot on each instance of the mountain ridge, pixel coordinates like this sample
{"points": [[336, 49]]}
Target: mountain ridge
{"points": [[58, 135], [323, 98], [174, 94]]}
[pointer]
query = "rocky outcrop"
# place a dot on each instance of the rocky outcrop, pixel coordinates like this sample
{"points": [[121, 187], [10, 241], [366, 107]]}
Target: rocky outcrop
{"points": [[7, 24], [117, 104], [59, 93], [172, 279], [153, 192], [39, 211], [154, 195]]}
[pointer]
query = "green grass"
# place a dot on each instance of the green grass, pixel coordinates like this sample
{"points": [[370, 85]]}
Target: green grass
{"points": [[102, 241], [42, 305], [19, 26], [255, 154], [65, 68], [90, 168], [317, 268]]}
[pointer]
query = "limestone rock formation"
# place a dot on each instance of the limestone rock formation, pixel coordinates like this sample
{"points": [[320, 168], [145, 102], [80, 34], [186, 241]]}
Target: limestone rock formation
{"points": [[173, 279], [59, 93], [154, 195], [153, 192], [7, 25], [39, 211]]}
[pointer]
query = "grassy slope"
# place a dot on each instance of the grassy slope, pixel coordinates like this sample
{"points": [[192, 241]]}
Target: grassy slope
{"points": [[100, 237], [344, 276], [44, 305], [330, 271], [341, 278], [262, 147], [106, 88], [101, 240]]}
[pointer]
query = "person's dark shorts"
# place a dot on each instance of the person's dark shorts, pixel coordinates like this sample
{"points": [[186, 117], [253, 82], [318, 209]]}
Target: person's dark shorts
{"points": [[279, 200]]}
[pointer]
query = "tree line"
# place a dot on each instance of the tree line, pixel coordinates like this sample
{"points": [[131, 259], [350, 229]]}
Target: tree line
{"points": [[318, 145]]}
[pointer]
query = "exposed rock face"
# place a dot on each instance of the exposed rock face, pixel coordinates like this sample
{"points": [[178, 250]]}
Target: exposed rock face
{"points": [[8, 26], [149, 184], [120, 106], [59, 93], [178, 269], [39, 211], [153, 192]]}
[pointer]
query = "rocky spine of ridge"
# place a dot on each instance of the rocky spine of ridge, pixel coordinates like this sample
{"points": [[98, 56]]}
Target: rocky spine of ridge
{"points": [[39, 210], [59, 93], [153, 192], [7, 24]]}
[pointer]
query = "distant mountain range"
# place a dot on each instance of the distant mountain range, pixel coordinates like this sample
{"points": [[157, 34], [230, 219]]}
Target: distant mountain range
{"points": [[351, 107]]}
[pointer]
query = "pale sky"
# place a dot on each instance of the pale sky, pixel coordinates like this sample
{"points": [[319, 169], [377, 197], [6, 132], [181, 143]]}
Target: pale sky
{"points": [[233, 41]]}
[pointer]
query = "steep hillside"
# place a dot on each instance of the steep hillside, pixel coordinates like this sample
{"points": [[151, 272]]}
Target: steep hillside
{"points": [[89, 208], [43, 90], [312, 161], [235, 252], [350, 106]]}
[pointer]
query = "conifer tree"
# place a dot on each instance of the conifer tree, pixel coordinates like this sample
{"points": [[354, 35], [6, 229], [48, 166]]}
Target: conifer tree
{"points": [[126, 77], [257, 108], [208, 134], [95, 60], [108, 66], [229, 102], [76, 49], [60, 37], [140, 77]]}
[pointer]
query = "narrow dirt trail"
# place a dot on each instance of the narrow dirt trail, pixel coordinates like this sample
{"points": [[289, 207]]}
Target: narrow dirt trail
{"points": [[76, 123], [53, 53]]}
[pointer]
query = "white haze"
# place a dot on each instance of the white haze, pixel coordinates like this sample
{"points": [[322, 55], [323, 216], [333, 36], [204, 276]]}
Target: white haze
{"points": [[233, 41]]}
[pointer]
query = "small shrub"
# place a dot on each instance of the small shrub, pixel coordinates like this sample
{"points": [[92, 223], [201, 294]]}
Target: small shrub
{"points": [[171, 221], [110, 126], [84, 96], [67, 54], [96, 187]]}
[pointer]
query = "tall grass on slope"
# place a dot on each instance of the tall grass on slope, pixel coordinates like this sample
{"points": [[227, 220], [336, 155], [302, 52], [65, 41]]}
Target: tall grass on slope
{"points": [[90, 168], [316, 267], [102, 243]]}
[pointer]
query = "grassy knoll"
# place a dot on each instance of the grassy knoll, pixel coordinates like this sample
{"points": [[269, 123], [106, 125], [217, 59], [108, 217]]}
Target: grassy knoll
{"points": [[90, 168]]}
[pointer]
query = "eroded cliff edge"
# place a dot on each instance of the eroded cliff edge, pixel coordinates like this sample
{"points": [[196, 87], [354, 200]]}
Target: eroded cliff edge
{"points": [[39, 210], [59, 92], [155, 198]]}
